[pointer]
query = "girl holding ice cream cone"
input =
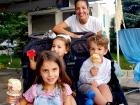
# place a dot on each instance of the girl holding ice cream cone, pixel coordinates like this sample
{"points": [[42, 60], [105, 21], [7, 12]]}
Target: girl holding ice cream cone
{"points": [[52, 83]]}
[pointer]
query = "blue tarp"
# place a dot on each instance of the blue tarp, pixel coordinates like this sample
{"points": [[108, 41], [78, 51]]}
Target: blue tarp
{"points": [[129, 40]]}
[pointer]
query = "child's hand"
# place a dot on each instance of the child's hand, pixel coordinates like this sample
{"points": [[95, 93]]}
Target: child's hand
{"points": [[94, 71], [11, 99], [31, 54], [94, 84]]}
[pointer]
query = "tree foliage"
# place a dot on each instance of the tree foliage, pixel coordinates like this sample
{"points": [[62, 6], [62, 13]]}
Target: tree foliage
{"points": [[131, 14], [13, 25], [112, 36], [131, 11]]}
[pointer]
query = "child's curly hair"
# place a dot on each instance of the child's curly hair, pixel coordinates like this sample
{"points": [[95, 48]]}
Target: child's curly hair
{"points": [[99, 40]]}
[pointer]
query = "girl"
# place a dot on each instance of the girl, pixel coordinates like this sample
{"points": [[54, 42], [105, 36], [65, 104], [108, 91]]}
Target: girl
{"points": [[52, 83], [60, 45]]}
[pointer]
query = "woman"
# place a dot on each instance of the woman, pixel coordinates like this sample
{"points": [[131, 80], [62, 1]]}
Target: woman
{"points": [[81, 22]]}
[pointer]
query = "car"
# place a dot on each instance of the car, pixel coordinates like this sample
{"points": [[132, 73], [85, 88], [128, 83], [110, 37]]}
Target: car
{"points": [[6, 47], [8, 43]]}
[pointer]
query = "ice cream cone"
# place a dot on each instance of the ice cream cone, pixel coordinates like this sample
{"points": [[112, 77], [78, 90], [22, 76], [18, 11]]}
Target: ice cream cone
{"points": [[14, 88], [96, 58]]}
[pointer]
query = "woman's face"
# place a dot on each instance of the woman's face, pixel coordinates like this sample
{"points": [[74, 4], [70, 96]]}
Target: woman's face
{"points": [[82, 11]]}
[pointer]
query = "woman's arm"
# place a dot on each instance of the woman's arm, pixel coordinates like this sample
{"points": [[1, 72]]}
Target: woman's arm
{"points": [[61, 29]]}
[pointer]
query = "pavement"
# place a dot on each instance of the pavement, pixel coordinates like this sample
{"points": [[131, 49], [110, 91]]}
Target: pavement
{"points": [[126, 82], [4, 76], [131, 88]]}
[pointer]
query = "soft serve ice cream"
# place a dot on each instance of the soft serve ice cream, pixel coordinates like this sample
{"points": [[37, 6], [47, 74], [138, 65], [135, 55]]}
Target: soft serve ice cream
{"points": [[96, 58], [14, 87]]}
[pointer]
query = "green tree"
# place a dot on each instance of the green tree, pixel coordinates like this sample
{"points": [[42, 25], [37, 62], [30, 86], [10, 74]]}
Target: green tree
{"points": [[13, 26], [112, 36], [131, 11]]}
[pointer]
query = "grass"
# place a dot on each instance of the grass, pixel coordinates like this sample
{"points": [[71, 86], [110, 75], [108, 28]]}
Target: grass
{"points": [[124, 64], [16, 62], [5, 61]]}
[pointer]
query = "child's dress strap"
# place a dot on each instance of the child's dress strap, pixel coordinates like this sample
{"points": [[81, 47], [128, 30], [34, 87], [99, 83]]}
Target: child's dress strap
{"points": [[43, 98], [39, 90]]}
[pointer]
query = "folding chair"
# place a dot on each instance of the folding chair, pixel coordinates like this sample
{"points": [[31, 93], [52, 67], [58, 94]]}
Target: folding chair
{"points": [[130, 46]]}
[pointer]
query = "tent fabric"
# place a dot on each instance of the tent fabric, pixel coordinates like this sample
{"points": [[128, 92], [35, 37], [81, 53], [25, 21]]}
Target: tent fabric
{"points": [[129, 40], [137, 72]]}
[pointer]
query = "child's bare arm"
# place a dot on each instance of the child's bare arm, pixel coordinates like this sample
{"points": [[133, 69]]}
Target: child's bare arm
{"points": [[69, 100], [22, 101], [31, 55], [17, 100], [11, 99], [32, 64], [94, 83]]}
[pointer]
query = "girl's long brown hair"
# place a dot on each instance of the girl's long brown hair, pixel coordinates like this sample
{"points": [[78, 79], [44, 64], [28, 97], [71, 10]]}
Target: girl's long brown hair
{"points": [[52, 56]]}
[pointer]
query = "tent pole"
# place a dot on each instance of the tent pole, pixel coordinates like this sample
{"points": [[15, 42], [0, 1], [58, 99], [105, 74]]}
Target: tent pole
{"points": [[118, 54]]}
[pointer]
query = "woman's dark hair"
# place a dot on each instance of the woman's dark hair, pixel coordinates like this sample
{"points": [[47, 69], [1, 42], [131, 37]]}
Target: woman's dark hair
{"points": [[52, 56], [86, 1]]}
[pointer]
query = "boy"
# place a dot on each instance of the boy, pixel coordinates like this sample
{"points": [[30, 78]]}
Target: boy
{"points": [[95, 72]]}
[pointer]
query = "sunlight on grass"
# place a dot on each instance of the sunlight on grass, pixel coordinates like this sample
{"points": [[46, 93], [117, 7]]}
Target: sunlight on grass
{"points": [[16, 62], [123, 62], [5, 61]]}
